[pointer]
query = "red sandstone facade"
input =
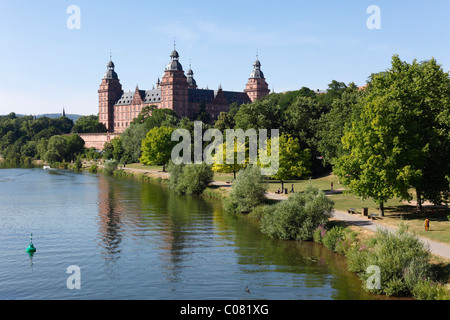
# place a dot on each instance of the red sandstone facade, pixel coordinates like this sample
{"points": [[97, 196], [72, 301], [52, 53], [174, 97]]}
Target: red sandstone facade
{"points": [[175, 91]]}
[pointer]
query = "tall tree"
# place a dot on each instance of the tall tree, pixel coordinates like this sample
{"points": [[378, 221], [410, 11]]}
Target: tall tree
{"points": [[157, 146], [401, 138], [294, 162]]}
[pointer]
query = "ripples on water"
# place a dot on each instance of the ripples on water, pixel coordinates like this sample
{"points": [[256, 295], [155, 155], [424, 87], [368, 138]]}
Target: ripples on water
{"points": [[135, 240]]}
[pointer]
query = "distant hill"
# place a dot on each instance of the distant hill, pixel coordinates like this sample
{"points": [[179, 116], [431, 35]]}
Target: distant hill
{"points": [[73, 117]]}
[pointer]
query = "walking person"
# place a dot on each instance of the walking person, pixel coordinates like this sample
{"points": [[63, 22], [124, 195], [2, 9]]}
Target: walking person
{"points": [[427, 224]]}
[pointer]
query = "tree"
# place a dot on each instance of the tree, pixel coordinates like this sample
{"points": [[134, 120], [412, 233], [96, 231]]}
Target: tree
{"points": [[202, 114], [224, 122], [157, 146], [57, 150], [220, 160], [400, 139], [88, 124], [294, 163], [117, 148], [75, 146], [331, 126]]}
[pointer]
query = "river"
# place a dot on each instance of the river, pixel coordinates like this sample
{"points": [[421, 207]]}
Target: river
{"points": [[134, 240]]}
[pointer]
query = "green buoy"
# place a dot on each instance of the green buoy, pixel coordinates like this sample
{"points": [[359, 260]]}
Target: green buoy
{"points": [[31, 248]]}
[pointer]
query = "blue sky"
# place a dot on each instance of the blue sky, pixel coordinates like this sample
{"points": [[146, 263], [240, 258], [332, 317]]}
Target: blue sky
{"points": [[44, 66]]}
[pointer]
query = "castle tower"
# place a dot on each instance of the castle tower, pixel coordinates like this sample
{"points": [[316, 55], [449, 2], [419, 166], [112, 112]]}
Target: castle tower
{"points": [[174, 87], [257, 86], [190, 79], [110, 91]]}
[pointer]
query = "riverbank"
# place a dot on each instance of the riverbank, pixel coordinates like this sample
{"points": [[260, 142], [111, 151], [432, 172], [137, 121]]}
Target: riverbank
{"points": [[362, 226]]}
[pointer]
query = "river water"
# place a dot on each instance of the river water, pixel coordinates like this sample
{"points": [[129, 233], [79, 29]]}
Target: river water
{"points": [[134, 240]]}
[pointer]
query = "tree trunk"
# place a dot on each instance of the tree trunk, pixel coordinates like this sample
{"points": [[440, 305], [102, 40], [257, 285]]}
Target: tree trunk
{"points": [[234, 174], [164, 168], [419, 201], [381, 209], [282, 186]]}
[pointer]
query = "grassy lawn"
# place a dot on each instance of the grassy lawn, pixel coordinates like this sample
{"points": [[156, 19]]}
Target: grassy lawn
{"points": [[143, 167], [396, 211]]}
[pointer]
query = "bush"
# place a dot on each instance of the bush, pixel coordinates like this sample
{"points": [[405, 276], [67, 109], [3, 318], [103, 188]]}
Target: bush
{"points": [[78, 164], [93, 168], [111, 166], [248, 191], [63, 165], [191, 178], [429, 290], [297, 217], [332, 237], [393, 253], [415, 272], [357, 259], [319, 233]]}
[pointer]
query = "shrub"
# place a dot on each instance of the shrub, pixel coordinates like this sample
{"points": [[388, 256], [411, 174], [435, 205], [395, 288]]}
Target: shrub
{"points": [[332, 237], [297, 217], [319, 233], [416, 271], [429, 290], [78, 164], [191, 178], [63, 165], [93, 168], [393, 253], [357, 259], [111, 166], [248, 191], [395, 287]]}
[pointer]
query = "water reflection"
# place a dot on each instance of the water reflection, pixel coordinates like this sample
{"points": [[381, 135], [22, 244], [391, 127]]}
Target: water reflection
{"points": [[187, 244], [109, 215]]}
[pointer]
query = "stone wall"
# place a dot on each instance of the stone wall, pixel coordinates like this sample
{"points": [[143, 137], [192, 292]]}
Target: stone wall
{"points": [[97, 140]]}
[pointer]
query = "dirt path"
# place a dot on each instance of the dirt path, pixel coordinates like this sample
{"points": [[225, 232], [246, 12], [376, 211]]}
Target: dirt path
{"points": [[436, 248]]}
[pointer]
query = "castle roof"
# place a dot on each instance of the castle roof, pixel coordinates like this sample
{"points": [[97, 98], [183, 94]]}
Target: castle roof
{"points": [[257, 73], [110, 73], [147, 96], [208, 96]]}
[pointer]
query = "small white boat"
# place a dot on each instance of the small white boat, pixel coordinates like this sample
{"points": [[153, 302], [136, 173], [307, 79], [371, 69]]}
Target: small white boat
{"points": [[47, 167]]}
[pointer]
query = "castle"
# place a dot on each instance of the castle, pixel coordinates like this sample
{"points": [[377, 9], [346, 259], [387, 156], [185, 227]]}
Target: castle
{"points": [[175, 91]]}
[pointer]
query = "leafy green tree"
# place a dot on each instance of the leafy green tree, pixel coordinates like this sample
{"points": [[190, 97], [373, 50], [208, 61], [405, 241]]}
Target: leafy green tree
{"points": [[117, 148], [75, 146], [131, 140], [88, 124], [157, 146], [261, 114], [202, 114], [57, 150], [294, 162], [132, 137], [331, 126], [29, 149], [224, 122], [400, 140], [221, 164], [41, 147]]}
